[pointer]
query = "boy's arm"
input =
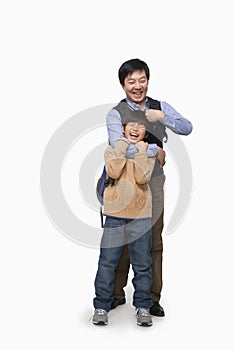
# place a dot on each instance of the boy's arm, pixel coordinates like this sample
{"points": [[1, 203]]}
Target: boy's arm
{"points": [[114, 127], [143, 165], [115, 159]]}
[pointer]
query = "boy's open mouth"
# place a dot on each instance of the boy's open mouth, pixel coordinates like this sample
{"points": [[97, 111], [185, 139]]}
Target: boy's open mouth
{"points": [[134, 135]]}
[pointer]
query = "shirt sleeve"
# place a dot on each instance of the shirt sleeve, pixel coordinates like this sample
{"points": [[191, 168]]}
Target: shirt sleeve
{"points": [[174, 120], [114, 128]]}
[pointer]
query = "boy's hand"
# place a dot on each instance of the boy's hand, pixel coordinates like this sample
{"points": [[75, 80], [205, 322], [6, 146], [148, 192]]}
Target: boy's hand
{"points": [[120, 138], [161, 154], [154, 115], [141, 146]]}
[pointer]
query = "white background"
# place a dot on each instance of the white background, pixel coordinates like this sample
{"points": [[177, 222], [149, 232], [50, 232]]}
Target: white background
{"points": [[59, 58]]}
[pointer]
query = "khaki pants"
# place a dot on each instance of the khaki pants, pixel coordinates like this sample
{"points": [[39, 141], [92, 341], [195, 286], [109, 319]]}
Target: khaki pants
{"points": [[121, 272]]}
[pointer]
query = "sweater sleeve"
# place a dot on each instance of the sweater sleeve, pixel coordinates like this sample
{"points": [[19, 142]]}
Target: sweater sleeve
{"points": [[143, 167], [115, 159]]}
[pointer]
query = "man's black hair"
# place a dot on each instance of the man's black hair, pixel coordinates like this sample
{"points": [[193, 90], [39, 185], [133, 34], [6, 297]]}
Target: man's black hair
{"points": [[131, 66]]}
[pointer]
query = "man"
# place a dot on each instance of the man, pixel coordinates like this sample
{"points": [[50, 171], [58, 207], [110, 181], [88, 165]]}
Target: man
{"points": [[134, 78]]}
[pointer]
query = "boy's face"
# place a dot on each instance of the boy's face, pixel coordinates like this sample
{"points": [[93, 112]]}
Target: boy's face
{"points": [[134, 132], [136, 86]]}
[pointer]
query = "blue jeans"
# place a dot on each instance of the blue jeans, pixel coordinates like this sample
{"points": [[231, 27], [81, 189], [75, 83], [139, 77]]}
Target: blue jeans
{"points": [[137, 234]]}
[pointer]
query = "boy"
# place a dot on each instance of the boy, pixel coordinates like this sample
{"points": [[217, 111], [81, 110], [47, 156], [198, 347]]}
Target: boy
{"points": [[128, 211]]}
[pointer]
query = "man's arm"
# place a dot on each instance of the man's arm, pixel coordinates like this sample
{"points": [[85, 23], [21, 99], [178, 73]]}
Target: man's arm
{"points": [[170, 118], [114, 127], [174, 120]]}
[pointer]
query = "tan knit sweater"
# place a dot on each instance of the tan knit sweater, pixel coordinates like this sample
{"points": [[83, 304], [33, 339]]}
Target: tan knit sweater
{"points": [[130, 196]]}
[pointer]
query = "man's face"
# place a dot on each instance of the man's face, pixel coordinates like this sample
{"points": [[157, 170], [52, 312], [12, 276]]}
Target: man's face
{"points": [[134, 132], [136, 86]]}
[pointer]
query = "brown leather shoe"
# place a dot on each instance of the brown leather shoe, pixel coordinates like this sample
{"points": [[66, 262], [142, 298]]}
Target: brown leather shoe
{"points": [[117, 301], [157, 310]]}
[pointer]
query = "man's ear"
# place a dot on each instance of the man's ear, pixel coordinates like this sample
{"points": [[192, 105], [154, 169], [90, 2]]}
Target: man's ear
{"points": [[123, 129]]}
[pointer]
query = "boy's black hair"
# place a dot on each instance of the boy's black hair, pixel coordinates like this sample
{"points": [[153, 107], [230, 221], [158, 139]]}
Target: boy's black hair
{"points": [[132, 66], [136, 116]]}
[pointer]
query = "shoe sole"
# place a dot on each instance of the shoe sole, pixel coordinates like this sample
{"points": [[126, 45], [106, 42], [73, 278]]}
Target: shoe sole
{"points": [[144, 324], [157, 315], [100, 323]]}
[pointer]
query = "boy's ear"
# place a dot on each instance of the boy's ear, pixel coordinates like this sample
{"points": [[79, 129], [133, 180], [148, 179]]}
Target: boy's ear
{"points": [[123, 129], [146, 135]]}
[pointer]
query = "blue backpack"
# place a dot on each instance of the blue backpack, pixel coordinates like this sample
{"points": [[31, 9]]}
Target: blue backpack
{"points": [[102, 183], [100, 187]]}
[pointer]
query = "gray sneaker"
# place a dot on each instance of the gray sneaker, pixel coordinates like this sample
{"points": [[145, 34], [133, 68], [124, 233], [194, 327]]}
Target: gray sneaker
{"points": [[100, 317], [143, 317]]}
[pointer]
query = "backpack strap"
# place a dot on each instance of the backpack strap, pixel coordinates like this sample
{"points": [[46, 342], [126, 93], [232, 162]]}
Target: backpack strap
{"points": [[160, 130], [154, 104]]}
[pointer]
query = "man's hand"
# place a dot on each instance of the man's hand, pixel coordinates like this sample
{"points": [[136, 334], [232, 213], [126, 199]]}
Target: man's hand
{"points": [[154, 115], [161, 154], [141, 146]]}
